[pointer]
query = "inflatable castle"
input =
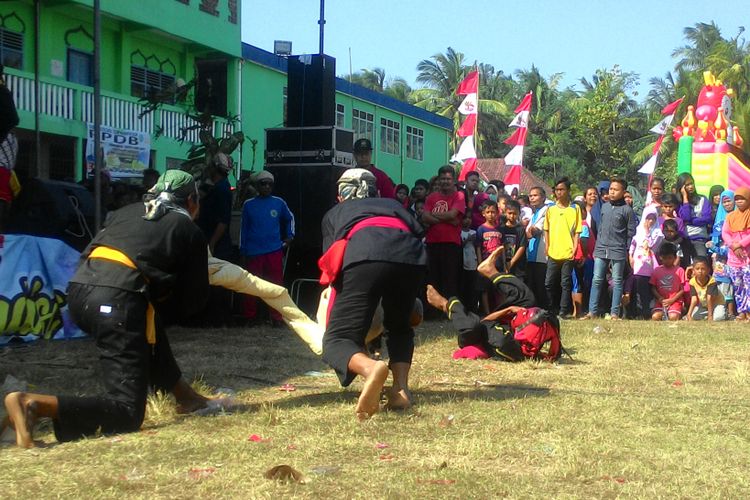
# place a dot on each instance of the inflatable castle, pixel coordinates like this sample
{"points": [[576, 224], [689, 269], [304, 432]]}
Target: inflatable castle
{"points": [[709, 147]]}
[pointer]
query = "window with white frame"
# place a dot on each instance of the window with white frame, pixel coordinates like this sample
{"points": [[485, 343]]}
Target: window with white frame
{"points": [[340, 115], [390, 132], [414, 143], [11, 48], [363, 124]]}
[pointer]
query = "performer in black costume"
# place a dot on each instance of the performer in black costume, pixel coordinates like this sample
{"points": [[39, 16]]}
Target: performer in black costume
{"points": [[144, 267]]}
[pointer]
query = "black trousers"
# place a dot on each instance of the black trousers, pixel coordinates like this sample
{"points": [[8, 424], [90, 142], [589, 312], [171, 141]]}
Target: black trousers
{"points": [[559, 284], [358, 290], [641, 297], [444, 264], [536, 272], [117, 321]]}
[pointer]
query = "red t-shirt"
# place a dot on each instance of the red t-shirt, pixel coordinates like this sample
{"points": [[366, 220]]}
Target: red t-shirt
{"points": [[668, 281], [385, 185], [438, 203]]}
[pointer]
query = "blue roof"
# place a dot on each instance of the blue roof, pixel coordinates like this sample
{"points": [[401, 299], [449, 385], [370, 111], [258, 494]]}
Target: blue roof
{"points": [[265, 58]]}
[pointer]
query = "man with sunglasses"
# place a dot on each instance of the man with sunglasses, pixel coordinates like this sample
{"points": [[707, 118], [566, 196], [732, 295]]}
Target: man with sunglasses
{"points": [[267, 227]]}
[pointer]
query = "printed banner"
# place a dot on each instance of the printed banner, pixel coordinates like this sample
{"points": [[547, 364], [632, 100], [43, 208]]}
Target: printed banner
{"points": [[126, 152], [34, 274]]}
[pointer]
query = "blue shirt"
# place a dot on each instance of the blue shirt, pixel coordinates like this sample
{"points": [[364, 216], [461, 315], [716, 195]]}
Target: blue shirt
{"points": [[266, 222]]}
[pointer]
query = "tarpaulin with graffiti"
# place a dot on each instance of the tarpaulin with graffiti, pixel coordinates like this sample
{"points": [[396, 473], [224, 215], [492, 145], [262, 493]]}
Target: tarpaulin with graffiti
{"points": [[34, 274]]}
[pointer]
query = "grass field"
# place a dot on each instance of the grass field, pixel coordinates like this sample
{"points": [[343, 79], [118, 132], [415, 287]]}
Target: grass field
{"points": [[643, 410]]}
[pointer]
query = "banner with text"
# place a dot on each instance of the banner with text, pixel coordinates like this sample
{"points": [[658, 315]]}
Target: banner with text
{"points": [[126, 152]]}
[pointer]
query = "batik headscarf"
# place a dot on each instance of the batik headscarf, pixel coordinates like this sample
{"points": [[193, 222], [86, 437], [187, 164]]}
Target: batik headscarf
{"points": [[357, 184], [168, 194]]}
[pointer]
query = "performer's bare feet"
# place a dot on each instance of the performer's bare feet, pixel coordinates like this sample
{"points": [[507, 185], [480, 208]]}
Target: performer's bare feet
{"points": [[188, 400], [436, 300], [399, 399], [487, 267], [368, 403], [21, 417]]}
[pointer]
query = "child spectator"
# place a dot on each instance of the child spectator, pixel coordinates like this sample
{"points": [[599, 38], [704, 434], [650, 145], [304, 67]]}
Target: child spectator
{"points": [[562, 229], [695, 212], [706, 302], [474, 199], [668, 205], [736, 236], [526, 211], [469, 295], [646, 242], [514, 240], [489, 238], [402, 195], [617, 228], [685, 249], [420, 190], [667, 285], [718, 251]]}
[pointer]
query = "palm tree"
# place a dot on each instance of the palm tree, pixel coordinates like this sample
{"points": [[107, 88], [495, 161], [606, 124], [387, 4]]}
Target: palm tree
{"points": [[701, 39]]}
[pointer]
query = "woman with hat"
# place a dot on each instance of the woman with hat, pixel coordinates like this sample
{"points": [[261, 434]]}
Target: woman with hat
{"points": [[144, 268]]}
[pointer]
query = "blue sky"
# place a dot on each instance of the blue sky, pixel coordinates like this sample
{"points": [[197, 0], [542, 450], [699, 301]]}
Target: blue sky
{"points": [[571, 36]]}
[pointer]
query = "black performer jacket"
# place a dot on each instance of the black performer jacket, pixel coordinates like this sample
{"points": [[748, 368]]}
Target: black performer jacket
{"points": [[171, 254], [381, 244], [8, 114]]}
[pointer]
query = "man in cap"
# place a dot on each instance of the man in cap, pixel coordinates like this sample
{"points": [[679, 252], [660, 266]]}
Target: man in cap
{"points": [[144, 268], [363, 157], [372, 252], [267, 228]]}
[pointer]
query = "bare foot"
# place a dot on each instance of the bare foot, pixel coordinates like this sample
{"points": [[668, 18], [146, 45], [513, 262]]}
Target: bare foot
{"points": [[368, 403], [436, 300], [22, 417], [487, 267], [399, 399], [194, 403]]}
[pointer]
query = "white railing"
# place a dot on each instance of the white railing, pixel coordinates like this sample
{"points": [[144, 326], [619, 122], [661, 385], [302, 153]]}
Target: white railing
{"points": [[60, 101], [54, 100]]}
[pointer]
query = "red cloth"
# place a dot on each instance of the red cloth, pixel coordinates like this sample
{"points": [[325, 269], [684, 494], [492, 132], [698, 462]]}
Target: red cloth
{"points": [[445, 232], [470, 84], [467, 127], [385, 185], [470, 352], [269, 267], [6, 193], [331, 262]]}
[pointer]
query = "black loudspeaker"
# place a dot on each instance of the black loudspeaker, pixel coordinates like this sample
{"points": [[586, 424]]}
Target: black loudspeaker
{"points": [[311, 91], [310, 191], [54, 209]]}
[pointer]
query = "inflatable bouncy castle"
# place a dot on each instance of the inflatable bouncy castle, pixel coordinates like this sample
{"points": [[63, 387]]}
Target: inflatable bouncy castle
{"points": [[709, 147]]}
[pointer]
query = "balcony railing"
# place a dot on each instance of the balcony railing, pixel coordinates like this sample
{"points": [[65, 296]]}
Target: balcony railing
{"points": [[75, 102]]}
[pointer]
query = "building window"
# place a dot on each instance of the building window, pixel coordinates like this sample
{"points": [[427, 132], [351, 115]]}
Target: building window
{"points": [[363, 124], [340, 118], [144, 82], [390, 132], [11, 48], [414, 143], [80, 67]]}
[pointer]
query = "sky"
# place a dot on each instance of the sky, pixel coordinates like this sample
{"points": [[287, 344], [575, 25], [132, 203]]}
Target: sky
{"points": [[575, 37]]}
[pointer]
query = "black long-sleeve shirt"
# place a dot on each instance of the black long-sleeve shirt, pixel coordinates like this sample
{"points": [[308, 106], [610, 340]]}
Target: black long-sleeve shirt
{"points": [[170, 253], [381, 244]]}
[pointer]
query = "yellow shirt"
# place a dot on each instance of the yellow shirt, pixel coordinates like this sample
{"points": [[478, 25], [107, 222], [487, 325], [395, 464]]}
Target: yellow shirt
{"points": [[562, 223]]}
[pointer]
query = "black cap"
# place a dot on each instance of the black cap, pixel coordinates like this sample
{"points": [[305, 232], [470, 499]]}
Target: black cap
{"points": [[362, 145]]}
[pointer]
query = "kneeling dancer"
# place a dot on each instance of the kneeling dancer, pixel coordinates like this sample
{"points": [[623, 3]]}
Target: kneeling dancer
{"points": [[139, 270], [372, 252]]}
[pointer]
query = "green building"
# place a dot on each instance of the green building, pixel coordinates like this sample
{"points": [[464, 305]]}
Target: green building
{"points": [[156, 45]]}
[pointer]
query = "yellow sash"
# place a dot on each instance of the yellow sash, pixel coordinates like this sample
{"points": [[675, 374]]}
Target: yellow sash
{"points": [[107, 253]]}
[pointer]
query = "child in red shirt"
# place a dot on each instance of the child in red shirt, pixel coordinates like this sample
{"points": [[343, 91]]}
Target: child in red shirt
{"points": [[668, 285]]}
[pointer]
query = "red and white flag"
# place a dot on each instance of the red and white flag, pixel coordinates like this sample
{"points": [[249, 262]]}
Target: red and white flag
{"points": [[469, 106], [521, 119], [512, 179], [470, 84], [670, 108], [661, 129], [466, 150], [517, 139], [468, 126]]}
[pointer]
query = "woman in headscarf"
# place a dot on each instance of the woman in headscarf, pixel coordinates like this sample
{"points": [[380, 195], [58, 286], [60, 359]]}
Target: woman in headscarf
{"points": [[714, 196], [372, 252], [718, 251], [736, 236], [141, 270], [695, 212]]}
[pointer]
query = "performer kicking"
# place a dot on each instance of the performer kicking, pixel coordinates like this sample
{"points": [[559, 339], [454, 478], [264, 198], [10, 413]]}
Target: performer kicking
{"points": [[139, 271], [373, 251]]}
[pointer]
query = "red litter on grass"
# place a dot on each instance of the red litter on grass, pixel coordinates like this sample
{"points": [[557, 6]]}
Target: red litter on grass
{"points": [[201, 472], [386, 458], [677, 383], [257, 439], [382, 446], [288, 388]]}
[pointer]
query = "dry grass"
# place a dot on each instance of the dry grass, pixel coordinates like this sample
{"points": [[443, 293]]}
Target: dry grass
{"points": [[644, 410]]}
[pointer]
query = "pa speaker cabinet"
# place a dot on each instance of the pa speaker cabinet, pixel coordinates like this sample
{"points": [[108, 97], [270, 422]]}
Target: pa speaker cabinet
{"points": [[311, 91], [309, 191], [290, 146]]}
